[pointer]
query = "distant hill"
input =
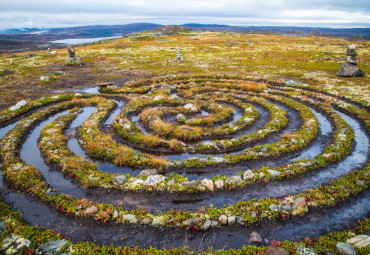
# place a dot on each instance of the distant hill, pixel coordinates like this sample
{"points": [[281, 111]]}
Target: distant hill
{"points": [[30, 38]]}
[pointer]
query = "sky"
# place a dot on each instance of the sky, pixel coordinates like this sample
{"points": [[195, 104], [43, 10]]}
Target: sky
{"points": [[70, 13]]}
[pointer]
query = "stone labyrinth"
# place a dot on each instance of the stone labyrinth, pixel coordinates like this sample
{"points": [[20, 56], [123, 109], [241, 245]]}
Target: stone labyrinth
{"points": [[217, 161]]}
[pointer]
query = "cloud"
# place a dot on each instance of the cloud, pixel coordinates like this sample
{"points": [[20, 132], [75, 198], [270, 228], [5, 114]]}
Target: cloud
{"points": [[57, 13]]}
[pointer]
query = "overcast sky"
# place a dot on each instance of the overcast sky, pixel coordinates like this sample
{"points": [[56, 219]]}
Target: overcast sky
{"points": [[67, 13]]}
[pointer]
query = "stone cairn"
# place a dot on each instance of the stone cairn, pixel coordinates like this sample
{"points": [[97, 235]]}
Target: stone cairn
{"points": [[349, 68], [178, 56], [72, 58]]}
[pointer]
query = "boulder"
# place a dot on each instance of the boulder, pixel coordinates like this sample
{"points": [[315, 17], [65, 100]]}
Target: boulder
{"points": [[276, 251], [350, 70], [345, 248], [255, 238], [51, 247], [131, 218], [360, 241], [305, 251]]}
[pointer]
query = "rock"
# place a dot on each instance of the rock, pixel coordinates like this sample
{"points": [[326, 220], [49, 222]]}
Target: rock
{"points": [[18, 105], [240, 220], [215, 223], [286, 208], [250, 110], [15, 244], [360, 183], [276, 251], [253, 214], [135, 181], [231, 220], [299, 202], [360, 241], [131, 218], [350, 70], [45, 78], [208, 184], [158, 221], [115, 214], [147, 172], [248, 175], [158, 97], [206, 225], [71, 51], [255, 238], [2, 227], [218, 159], [180, 117], [223, 219], [154, 179], [231, 125], [273, 207], [247, 119], [274, 174], [17, 167], [345, 248], [189, 184], [146, 221], [91, 210], [233, 179], [119, 180], [126, 126], [191, 222], [171, 182], [51, 247], [73, 61], [178, 56], [219, 184], [190, 107], [60, 73], [305, 251]]}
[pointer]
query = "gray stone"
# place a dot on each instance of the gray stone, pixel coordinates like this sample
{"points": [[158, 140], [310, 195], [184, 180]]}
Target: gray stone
{"points": [[119, 180], [146, 221], [51, 247], [115, 214], [190, 107], [171, 182], [215, 223], [299, 202], [71, 51], [255, 238], [231, 220], [91, 210], [286, 208], [158, 221], [189, 184], [305, 251], [147, 172], [154, 179], [274, 174], [131, 218], [206, 225], [240, 220], [345, 248], [180, 117], [73, 61], [219, 184], [248, 175], [360, 183], [247, 119], [234, 179], [218, 159], [360, 241], [273, 207], [223, 219], [191, 222], [253, 214], [350, 70], [2, 227]]}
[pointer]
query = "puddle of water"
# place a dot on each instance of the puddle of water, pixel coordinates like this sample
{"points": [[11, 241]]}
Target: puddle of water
{"points": [[76, 41], [111, 117], [30, 154], [5, 130]]}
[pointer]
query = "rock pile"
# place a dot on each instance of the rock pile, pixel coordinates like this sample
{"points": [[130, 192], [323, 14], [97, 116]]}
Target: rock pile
{"points": [[178, 56], [72, 59], [349, 68]]}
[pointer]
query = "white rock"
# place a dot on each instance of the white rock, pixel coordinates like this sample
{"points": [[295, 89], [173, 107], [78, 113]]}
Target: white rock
{"points": [[190, 107], [274, 174], [360, 241], [158, 97], [208, 183], [248, 175], [247, 119], [219, 184], [223, 219], [218, 159], [126, 126], [154, 179], [129, 218]]}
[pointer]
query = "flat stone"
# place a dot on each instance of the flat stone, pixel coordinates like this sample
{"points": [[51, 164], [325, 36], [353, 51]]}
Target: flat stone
{"points": [[299, 202], [248, 175], [274, 174], [51, 247], [218, 159], [345, 248], [234, 179], [91, 210], [206, 225], [191, 222], [255, 238], [131, 218], [148, 172], [189, 184], [276, 251], [219, 184], [360, 241], [154, 179], [119, 180], [305, 251], [223, 219]]}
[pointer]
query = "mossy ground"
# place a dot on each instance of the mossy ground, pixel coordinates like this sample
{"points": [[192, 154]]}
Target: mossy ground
{"points": [[311, 60]]}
